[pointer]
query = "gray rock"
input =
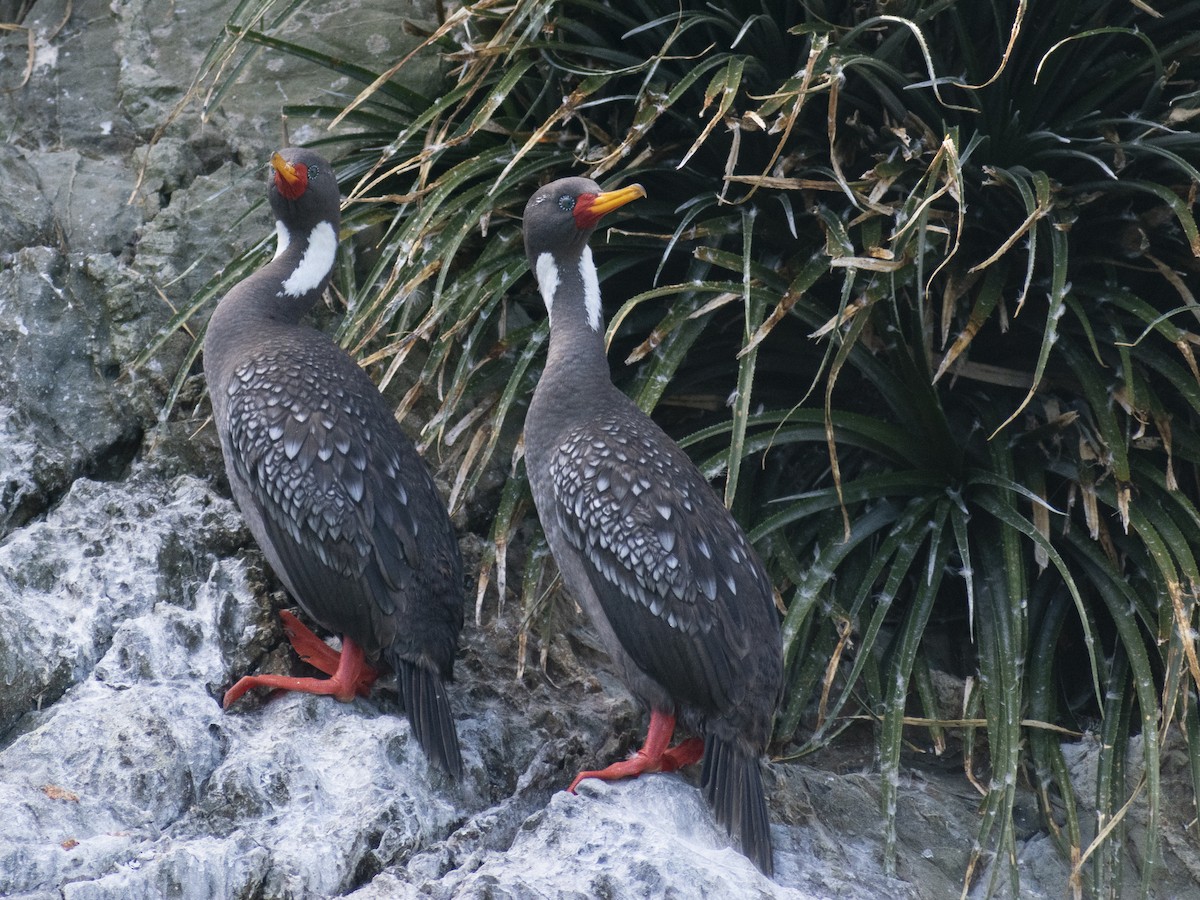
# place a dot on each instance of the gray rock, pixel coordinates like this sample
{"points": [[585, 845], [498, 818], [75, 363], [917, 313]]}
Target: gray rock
{"points": [[101, 578], [25, 217], [649, 838], [128, 609], [121, 201], [89, 199], [57, 381], [71, 98], [124, 778]]}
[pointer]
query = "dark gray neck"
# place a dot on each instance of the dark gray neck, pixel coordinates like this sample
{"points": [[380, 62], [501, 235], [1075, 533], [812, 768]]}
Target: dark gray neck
{"points": [[286, 288], [276, 296], [572, 294]]}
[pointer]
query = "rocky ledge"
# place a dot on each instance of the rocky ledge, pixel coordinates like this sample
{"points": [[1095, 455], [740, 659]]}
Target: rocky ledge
{"points": [[127, 609]]}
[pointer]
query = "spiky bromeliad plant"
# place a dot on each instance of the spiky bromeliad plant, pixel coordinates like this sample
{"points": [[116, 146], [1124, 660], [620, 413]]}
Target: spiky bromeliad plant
{"points": [[914, 280]]}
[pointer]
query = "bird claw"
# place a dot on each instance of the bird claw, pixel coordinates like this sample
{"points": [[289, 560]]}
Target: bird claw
{"points": [[314, 651], [682, 754], [348, 672], [326, 686], [670, 760]]}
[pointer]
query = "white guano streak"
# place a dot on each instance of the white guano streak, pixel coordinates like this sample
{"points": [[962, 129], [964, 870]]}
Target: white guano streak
{"points": [[591, 288], [283, 237], [316, 262], [546, 271]]}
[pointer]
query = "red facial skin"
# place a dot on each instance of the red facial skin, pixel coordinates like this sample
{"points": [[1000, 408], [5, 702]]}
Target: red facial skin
{"points": [[290, 180], [585, 217]]}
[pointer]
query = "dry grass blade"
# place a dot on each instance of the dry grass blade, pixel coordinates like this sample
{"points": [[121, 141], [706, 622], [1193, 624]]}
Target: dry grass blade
{"points": [[787, 184], [31, 43], [981, 313], [798, 92], [30, 53], [1018, 20], [724, 84], [934, 81], [1107, 828], [458, 18]]}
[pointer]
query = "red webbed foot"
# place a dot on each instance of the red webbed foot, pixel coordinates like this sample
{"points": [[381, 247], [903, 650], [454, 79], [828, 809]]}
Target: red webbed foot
{"points": [[655, 756], [348, 670], [682, 754], [320, 655]]}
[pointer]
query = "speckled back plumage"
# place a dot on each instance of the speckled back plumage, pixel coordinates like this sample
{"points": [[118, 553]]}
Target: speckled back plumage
{"points": [[678, 595], [344, 496], [333, 490], [650, 526]]}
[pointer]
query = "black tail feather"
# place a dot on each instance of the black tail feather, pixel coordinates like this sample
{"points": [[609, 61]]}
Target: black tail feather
{"points": [[428, 709], [732, 783]]}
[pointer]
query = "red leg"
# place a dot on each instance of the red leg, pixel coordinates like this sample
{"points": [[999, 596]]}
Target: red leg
{"points": [[343, 684], [654, 755], [319, 654], [682, 754]]}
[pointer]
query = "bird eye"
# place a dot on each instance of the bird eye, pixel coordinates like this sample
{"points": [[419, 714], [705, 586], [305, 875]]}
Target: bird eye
{"points": [[313, 170], [566, 203]]}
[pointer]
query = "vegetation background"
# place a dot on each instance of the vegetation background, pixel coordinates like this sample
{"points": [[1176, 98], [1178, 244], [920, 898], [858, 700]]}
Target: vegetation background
{"points": [[914, 284]]}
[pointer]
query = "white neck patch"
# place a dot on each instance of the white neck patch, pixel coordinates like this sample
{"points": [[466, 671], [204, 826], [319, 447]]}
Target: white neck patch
{"points": [[316, 262], [591, 288], [283, 237], [546, 271]]}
